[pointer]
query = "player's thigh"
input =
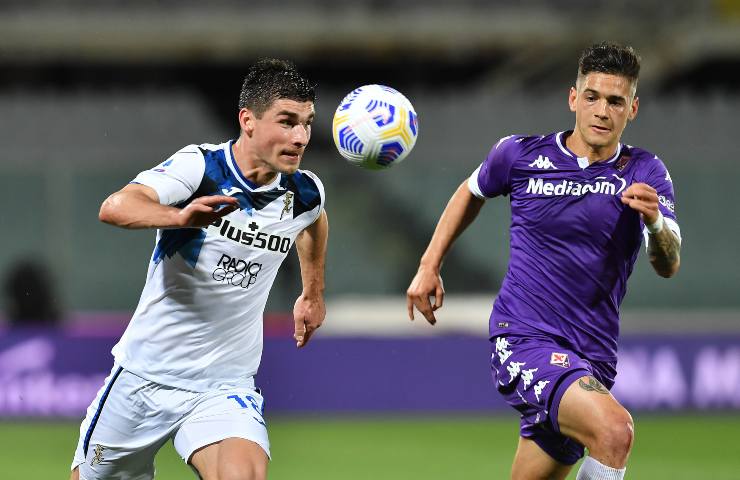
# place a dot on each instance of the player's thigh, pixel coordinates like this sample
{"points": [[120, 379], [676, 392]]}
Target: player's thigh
{"points": [[75, 475], [231, 459], [125, 426], [532, 463], [588, 412], [226, 430]]}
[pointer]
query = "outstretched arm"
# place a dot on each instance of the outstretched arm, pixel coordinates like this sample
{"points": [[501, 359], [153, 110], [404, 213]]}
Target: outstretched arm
{"points": [[137, 206], [460, 212], [309, 310], [664, 247]]}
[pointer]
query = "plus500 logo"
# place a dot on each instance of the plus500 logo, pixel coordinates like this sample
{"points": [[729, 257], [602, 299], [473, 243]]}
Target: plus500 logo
{"points": [[251, 237]]}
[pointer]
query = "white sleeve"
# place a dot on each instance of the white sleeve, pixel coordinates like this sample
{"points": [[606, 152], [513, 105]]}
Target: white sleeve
{"points": [[176, 179], [473, 185], [322, 194]]}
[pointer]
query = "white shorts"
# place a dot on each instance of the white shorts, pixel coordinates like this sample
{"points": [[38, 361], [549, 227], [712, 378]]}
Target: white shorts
{"points": [[132, 418]]}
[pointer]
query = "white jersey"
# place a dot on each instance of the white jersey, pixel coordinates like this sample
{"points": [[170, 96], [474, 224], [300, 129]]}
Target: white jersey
{"points": [[198, 324]]}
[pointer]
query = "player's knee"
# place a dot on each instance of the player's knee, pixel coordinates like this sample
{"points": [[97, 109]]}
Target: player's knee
{"points": [[616, 435], [243, 471]]}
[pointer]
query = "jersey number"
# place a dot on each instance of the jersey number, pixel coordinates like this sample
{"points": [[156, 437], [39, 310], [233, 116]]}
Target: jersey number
{"points": [[248, 402]]}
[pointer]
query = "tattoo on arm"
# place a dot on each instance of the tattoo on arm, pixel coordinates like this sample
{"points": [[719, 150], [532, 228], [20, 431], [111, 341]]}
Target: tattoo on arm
{"points": [[664, 250], [593, 385]]}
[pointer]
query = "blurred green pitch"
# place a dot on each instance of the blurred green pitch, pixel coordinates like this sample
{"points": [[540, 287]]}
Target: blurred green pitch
{"points": [[444, 447]]}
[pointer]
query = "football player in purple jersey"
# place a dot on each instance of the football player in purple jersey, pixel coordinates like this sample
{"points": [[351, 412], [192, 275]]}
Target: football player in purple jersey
{"points": [[581, 205]]}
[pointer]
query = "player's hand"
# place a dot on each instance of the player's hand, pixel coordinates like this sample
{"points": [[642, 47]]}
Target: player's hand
{"points": [[643, 198], [203, 211], [308, 315], [427, 283]]}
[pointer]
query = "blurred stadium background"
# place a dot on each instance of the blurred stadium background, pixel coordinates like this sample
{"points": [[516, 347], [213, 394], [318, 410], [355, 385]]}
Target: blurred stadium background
{"points": [[92, 92]]}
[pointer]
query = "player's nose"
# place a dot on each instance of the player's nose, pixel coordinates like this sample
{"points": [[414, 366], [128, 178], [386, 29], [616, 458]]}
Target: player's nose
{"points": [[601, 109], [300, 136]]}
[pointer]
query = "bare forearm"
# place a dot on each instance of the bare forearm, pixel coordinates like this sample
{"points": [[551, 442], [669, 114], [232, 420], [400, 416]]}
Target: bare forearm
{"points": [[664, 251], [460, 212], [135, 210], [311, 247]]}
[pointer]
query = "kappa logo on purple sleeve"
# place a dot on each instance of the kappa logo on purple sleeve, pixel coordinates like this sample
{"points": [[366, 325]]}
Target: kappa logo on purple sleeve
{"points": [[559, 359]]}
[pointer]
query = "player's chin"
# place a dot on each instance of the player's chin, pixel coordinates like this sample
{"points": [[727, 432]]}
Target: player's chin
{"points": [[289, 163], [600, 140]]}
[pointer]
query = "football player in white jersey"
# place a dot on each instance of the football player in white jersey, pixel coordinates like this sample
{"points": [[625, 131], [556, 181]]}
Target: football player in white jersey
{"points": [[226, 216]]}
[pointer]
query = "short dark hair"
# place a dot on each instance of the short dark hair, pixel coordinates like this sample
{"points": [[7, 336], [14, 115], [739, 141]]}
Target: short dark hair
{"points": [[610, 58], [270, 79]]}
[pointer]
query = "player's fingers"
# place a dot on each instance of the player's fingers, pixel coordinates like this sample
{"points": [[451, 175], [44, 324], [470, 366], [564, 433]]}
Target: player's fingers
{"points": [[306, 337], [217, 200], [645, 208], [225, 211], [640, 191], [425, 307], [299, 333], [410, 307], [439, 298]]}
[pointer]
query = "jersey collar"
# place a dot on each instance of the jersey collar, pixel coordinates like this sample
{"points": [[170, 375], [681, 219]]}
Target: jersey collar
{"points": [[582, 161], [231, 162]]}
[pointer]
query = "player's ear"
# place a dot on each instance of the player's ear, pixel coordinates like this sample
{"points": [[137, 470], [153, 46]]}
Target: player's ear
{"points": [[633, 108], [246, 121], [572, 97]]}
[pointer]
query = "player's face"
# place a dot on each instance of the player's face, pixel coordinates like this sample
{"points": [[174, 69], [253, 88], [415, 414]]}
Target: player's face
{"points": [[603, 104], [280, 136]]}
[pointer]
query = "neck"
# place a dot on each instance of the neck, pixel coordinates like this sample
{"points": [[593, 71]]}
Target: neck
{"points": [[594, 153], [249, 165]]}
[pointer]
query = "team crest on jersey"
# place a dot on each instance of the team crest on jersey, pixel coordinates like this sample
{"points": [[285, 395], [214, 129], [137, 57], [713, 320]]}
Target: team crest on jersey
{"points": [[559, 359], [287, 204], [98, 456]]}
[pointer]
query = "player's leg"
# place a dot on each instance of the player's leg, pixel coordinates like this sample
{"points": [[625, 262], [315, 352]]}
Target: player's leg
{"points": [[225, 437], [231, 459], [533, 463], [592, 416], [122, 432]]}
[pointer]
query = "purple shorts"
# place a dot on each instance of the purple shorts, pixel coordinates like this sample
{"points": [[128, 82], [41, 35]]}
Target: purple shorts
{"points": [[532, 374]]}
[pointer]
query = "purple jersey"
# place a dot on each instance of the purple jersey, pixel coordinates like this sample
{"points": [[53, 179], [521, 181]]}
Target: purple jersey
{"points": [[573, 243]]}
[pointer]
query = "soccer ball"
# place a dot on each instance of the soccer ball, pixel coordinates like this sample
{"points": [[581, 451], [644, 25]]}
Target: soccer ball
{"points": [[375, 127]]}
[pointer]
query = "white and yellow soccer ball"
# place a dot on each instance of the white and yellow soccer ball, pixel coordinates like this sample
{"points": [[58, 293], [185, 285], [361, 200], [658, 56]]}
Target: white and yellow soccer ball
{"points": [[375, 127]]}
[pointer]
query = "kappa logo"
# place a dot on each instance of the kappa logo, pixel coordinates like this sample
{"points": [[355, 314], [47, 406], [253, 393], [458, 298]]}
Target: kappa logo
{"points": [[539, 388], [514, 368], [502, 349], [528, 376], [543, 163], [559, 359]]}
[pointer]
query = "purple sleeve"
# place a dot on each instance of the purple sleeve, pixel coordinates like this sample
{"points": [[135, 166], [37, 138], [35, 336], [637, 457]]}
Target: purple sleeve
{"points": [[494, 173], [659, 178]]}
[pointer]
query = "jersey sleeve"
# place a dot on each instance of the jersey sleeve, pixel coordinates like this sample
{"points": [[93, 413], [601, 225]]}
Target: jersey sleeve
{"points": [[322, 193], [493, 177], [176, 179], [659, 178]]}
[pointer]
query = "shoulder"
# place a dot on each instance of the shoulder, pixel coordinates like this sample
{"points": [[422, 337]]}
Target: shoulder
{"points": [[306, 186], [522, 144], [644, 160]]}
